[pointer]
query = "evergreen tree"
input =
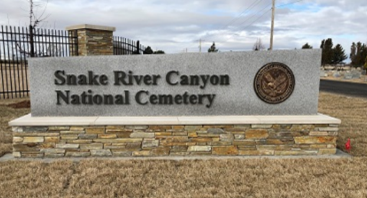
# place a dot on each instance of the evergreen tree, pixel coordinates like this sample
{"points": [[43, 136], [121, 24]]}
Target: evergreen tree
{"points": [[322, 44], [365, 64], [159, 52], [338, 54], [322, 55], [213, 48], [306, 46], [327, 51], [364, 54], [352, 52], [358, 54], [148, 50]]}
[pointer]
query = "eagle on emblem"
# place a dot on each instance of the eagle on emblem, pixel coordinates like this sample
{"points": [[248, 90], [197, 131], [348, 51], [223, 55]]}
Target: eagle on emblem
{"points": [[274, 86]]}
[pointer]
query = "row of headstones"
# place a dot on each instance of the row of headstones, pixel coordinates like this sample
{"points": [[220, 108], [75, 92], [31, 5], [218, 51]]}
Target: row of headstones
{"points": [[354, 74]]}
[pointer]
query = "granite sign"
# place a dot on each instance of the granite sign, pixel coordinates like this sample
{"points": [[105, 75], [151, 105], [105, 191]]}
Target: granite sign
{"points": [[233, 83]]}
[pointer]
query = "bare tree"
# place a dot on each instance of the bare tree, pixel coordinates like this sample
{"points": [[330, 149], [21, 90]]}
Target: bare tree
{"points": [[34, 21], [258, 46]]}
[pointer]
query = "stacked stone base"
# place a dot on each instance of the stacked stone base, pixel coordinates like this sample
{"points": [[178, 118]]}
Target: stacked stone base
{"points": [[174, 140]]}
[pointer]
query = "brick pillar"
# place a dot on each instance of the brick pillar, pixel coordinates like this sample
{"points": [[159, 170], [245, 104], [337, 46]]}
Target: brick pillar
{"points": [[92, 39]]}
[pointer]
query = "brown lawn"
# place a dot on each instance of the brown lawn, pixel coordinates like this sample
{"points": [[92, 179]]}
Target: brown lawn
{"points": [[198, 178], [7, 114], [189, 178]]}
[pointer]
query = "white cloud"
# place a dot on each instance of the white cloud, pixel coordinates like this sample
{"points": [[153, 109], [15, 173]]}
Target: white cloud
{"points": [[176, 25]]}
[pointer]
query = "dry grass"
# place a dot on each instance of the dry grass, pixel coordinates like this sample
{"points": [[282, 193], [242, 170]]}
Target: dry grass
{"points": [[7, 114], [33, 179], [5, 148], [353, 113], [198, 178]]}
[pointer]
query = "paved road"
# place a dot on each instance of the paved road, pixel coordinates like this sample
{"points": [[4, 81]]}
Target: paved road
{"points": [[345, 88]]}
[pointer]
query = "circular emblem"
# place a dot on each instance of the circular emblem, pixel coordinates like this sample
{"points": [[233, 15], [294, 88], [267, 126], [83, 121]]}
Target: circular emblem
{"points": [[274, 83]]}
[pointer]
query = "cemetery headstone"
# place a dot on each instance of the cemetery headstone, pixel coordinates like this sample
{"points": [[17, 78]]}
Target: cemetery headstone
{"points": [[336, 74], [356, 74], [348, 75], [323, 73]]}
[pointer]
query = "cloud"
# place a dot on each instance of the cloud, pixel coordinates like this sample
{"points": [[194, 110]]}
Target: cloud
{"points": [[176, 25]]}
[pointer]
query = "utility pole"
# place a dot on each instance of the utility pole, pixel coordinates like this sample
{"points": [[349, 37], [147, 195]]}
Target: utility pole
{"points": [[200, 40], [200, 45], [272, 26]]}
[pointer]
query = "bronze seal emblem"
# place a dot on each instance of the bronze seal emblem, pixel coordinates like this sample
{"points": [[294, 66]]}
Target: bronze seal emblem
{"points": [[274, 83]]}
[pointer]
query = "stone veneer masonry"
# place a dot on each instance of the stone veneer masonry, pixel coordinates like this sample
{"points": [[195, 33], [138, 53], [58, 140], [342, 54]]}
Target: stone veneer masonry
{"points": [[92, 39], [174, 140]]}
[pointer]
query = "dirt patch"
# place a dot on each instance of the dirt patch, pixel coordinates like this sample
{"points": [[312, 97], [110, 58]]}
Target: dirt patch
{"points": [[6, 102], [20, 105]]}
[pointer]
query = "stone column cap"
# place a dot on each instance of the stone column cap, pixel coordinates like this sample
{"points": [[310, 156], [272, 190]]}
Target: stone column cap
{"points": [[89, 26]]}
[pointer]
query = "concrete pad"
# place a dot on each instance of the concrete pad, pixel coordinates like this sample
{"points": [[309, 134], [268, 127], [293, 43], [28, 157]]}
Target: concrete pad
{"points": [[339, 155]]}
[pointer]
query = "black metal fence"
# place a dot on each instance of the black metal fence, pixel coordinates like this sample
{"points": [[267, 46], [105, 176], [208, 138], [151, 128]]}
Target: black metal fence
{"points": [[124, 46], [17, 44]]}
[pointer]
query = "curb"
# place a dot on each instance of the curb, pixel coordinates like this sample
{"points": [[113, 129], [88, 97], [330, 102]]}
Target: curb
{"points": [[339, 155]]}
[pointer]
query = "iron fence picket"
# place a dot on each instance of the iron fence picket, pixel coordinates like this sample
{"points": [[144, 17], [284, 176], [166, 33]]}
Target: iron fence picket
{"points": [[17, 44], [1, 64], [16, 48], [25, 62], [125, 46], [9, 69]]}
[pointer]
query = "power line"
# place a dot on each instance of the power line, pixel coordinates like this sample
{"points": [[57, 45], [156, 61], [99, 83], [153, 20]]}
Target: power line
{"points": [[269, 8], [266, 12], [255, 15], [257, 19], [254, 3]]}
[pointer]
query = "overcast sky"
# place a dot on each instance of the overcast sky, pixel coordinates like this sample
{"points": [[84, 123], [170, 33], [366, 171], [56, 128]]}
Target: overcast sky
{"points": [[177, 25]]}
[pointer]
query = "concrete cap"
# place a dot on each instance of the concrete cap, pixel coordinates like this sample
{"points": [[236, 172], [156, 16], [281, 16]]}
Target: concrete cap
{"points": [[93, 27], [28, 120]]}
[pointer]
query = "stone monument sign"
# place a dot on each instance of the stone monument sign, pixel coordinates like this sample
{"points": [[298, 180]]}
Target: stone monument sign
{"points": [[231, 83], [233, 103]]}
